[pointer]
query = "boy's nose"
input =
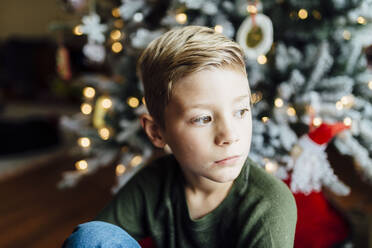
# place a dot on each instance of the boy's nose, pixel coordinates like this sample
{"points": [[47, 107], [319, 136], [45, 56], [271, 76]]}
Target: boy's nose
{"points": [[226, 134]]}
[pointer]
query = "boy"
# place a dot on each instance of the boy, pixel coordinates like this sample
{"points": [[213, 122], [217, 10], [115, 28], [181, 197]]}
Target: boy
{"points": [[207, 193]]}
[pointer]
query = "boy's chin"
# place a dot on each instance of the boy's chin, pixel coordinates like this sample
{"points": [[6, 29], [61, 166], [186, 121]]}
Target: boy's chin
{"points": [[227, 176]]}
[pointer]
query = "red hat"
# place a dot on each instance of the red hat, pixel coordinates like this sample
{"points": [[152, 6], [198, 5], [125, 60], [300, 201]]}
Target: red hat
{"points": [[325, 132]]}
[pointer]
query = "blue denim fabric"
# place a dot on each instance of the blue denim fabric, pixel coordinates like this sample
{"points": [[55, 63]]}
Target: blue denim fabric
{"points": [[100, 235]]}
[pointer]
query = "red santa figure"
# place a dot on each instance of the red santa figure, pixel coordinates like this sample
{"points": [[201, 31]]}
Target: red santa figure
{"points": [[318, 225]]}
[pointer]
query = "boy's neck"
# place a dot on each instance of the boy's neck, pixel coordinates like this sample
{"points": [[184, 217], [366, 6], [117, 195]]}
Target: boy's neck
{"points": [[204, 195]]}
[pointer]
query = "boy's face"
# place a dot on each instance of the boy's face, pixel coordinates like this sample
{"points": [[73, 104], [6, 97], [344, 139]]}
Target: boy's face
{"points": [[208, 124]]}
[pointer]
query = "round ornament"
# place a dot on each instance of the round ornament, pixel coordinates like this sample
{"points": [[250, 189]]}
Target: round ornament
{"points": [[255, 35]]}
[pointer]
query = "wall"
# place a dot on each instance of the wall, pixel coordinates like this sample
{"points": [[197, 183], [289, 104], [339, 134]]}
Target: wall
{"points": [[31, 17]]}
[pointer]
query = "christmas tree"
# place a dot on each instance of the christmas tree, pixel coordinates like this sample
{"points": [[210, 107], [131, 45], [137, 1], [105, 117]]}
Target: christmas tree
{"points": [[306, 65], [305, 61]]}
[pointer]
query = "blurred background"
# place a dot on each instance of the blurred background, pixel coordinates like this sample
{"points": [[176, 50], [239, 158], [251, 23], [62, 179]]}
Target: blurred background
{"points": [[70, 101]]}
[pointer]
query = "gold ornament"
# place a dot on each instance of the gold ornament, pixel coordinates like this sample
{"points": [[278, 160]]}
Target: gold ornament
{"points": [[254, 36]]}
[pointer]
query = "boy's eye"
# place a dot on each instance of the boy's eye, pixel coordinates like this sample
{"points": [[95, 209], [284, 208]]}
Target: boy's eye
{"points": [[242, 112], [202, 120]]}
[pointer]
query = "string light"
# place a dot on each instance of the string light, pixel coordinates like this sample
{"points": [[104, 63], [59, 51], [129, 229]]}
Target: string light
{"points": [[317, 121], [218, 28], [84, 142], [119, 23], [348, 121], [77, 30], [256, 97], [120, 169], [316, 14], [181, 18], [262, 59], [115, 12], [346, 34], [81, 165], [89, 92], [252, 9], [339, 105], [106, 103], [361, 20], [291, 111], [138, 17], [116, 47], [86, 108], [270, 166], [136, 160], [133, 102], [104, 133], [265, 119], [347, 101], [370, 85], [302, 14], [115, 34], [278, 102]]}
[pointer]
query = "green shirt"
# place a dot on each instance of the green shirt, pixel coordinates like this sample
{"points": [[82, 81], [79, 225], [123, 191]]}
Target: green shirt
{"points": [[259, 210]]}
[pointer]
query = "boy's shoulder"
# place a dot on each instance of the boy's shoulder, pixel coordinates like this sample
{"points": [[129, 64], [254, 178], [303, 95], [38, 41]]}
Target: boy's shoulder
{"points": [[156, 174], [272, 194], [265, 184]]}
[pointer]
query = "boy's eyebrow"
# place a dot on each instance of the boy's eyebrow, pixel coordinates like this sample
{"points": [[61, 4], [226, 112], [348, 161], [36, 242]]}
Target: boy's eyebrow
{"points": [[237, 99], [240, 98]]}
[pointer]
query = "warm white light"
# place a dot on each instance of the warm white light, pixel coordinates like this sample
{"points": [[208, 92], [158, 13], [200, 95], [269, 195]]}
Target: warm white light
{"points": [[291, 111], [346, 34], [181, 18], [116, 47], [84, 142], [370, 85], [120, 169], [361, 20], [136, 160], [252, 9], [133, 102], [265, 119], [115, 34], [104, 133], [339, 105], [218, 28], [86, 108], [106, 103], [81, 165], [270, 166], [256, 97], [348, 121], [115, 12], [278, 102], [77, 30], [347, 101], [262, 59], [89, 92], [119, 23], [317, 121], [302, 14]]}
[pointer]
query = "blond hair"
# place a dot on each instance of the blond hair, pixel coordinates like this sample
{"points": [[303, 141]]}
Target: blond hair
{"points": [[178, 53]]}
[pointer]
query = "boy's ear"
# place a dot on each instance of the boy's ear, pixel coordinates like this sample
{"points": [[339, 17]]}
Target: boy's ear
{"points": [[152, 129]]}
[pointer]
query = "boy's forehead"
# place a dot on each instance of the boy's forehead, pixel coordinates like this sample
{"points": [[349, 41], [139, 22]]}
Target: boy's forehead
{"points": [[209, 89]]}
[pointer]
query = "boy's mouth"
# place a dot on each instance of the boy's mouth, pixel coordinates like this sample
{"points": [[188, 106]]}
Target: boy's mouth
{"points": [[227, 160]]}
